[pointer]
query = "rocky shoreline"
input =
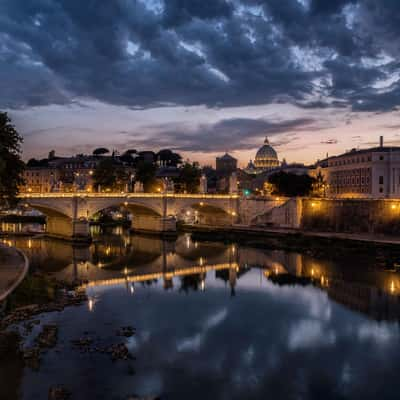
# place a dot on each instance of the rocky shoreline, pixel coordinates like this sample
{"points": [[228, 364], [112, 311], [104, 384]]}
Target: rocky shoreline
{"points": [[20, 322]]}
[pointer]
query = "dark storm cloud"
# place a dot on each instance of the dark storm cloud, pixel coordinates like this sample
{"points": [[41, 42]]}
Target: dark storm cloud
{"points": [[227, 134], [189, 52], [328, 7], [177, 12]]}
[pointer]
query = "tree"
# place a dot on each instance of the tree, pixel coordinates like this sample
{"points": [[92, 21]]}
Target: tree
{"points": [[128, 157], [291, 185], [319, 185], [146, 174], [100, 151], [11, 165], [109, 175], [168, 158], [189, 178]]}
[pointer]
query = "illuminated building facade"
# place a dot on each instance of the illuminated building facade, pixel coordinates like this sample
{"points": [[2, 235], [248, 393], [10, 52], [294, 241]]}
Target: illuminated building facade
{"points": [[368, 173]]}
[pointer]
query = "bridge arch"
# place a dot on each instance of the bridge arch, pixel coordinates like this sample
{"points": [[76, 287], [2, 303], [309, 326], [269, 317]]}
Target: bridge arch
{"points": [[135, 207], [199, 211], [49, 211]]}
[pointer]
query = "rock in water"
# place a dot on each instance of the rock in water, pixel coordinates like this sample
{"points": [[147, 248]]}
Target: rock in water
{"points": [[48, 337]]}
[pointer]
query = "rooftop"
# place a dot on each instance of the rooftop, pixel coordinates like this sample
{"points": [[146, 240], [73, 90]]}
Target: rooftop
{"points": [[383, 149]]}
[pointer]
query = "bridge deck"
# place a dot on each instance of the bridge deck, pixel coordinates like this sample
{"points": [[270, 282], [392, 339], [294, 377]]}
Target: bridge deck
{"points": [[127, 195]]}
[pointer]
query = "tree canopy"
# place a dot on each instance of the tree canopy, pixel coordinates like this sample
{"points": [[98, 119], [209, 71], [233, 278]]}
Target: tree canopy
{"points": [[291, 185], [100, 151], [108, 175], [189, 178], [11, 165], [146, 173], [169, 158]]}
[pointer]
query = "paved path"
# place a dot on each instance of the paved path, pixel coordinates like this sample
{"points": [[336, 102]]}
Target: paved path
{"points": [[13, 268]]}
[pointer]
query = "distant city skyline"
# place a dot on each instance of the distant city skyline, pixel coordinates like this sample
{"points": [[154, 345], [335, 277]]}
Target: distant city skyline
{"points": [[201, 78]]}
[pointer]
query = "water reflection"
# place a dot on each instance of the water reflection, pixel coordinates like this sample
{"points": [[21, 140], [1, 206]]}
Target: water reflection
{"points": [[116, 257], [219, 321]]}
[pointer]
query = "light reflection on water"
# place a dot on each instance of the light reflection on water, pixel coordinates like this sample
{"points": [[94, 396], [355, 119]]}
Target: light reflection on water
{"points": [[219, 321]]}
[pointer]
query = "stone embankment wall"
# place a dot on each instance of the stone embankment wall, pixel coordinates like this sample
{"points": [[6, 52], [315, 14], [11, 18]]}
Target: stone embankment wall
{"points": [[364, 216], [331, 215], [252, 209], [286, 214]]}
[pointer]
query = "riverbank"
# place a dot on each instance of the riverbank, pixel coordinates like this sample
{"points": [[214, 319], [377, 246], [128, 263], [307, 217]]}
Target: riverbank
{"points": [[13, 269], [379, 239]]}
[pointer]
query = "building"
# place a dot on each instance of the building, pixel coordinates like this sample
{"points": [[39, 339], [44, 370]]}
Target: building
{"points": [[60, 174], [226, 164], [266, 160], [40, 179], [367, 173]]}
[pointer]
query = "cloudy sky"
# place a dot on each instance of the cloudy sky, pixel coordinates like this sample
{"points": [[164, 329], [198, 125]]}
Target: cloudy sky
{"points": [[201, 76]]}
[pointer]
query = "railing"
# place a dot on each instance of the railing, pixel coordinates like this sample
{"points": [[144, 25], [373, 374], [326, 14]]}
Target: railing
{"points": [[126, 195]]}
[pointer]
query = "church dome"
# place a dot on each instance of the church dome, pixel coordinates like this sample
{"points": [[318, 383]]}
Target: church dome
{"points": [[266, 157]]}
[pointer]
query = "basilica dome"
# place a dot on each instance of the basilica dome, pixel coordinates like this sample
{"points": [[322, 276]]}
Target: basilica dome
{"points": [[266, 157]]}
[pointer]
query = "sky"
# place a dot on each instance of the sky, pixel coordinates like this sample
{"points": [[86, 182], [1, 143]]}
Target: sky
{"points": [[201, 77]]}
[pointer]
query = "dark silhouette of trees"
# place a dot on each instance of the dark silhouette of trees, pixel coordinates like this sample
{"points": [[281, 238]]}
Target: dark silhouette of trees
{"points": [[291, 185], [100, 151], [189, 179], [146, 174], [168, 158], [11, 165], [109, 176]]}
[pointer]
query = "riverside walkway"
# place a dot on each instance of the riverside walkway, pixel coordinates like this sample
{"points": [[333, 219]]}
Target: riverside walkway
{"points": [[13, 268]]}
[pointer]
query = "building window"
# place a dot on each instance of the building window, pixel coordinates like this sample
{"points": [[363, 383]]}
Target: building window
{"points": [[381, 180], [381, 158], [380, 190]]}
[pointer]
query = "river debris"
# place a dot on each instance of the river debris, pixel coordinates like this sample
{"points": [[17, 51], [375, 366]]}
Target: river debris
{"points": [[59, 392], [126, 331], [119, 352], [27, 312], [47, 338], [29, 325]]}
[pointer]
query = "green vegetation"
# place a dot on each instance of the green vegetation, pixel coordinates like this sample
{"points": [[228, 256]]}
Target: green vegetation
{"points": [[168, 158], [11, 165], [291, 185], [189, 179], [146, 174], [109, 176], [100, 151]]}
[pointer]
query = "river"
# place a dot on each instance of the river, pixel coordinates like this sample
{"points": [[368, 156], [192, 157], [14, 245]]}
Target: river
{"points": [[214, 320]]}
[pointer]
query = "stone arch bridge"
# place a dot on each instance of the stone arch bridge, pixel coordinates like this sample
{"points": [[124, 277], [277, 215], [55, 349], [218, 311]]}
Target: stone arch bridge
{"points": [[68, 214]]}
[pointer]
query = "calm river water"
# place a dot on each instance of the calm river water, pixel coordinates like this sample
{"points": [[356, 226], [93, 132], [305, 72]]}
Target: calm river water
{"points": [[215, 321]]}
